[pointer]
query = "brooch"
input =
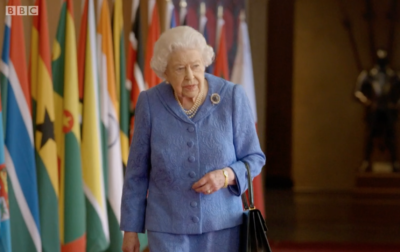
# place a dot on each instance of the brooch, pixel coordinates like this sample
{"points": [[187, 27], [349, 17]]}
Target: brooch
{"points": [[215, 99]]}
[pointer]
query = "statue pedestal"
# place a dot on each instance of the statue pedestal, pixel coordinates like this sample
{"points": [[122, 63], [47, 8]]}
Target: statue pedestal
{"points": [[377, 185]]}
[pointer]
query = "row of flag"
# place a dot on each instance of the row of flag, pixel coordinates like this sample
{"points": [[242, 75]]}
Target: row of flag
{"points": [[67, 119]]}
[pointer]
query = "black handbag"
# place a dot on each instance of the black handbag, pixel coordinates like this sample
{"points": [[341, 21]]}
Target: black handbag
{"points": [[253, 237]]}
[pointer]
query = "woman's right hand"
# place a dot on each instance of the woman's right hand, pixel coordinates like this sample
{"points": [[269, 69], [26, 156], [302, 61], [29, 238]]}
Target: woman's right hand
{"points": [[131, 242]]}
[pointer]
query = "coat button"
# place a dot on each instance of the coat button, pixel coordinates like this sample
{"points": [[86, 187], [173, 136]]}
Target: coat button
{"points": [[195, 219], [191, 159], [193, 204], [190, 144], [192, 174], [191, 129]]}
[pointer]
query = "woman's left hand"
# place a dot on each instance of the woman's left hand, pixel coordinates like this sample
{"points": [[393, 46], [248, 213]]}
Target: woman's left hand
{"points": [[213, 181]]}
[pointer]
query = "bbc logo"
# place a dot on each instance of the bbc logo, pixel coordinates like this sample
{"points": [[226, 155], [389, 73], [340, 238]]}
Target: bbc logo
{"points": [[22, 10]]}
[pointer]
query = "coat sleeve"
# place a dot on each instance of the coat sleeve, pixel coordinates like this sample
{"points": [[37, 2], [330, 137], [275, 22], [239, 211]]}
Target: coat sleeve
{"points": [[245, 140], [133, 205]]}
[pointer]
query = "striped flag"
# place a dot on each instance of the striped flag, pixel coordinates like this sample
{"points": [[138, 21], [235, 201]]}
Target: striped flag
{"points": [[4, 71], [23, 193], [242, 73], [67, 131], [5, 233], [91, 149], [153, 33], [134, 75], [43, 119], [120, 79], [203, 29], [109, 92], [221, 68], [135, 63]]}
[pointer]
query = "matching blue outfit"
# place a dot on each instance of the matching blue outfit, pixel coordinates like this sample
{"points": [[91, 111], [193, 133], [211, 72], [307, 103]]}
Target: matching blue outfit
{"points": [[170, 152]]}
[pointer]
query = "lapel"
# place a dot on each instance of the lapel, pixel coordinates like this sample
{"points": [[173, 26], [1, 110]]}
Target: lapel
{"points": [[167, 98]]}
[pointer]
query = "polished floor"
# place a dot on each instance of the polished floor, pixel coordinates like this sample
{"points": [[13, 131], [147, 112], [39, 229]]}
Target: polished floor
{"points": [[326, 222], [331, 218]]}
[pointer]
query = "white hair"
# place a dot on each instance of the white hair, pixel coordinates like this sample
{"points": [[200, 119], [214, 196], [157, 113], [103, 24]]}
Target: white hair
{"points": [[180, 37]]}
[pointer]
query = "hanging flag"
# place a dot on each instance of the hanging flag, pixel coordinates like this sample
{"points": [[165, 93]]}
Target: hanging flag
{"points": [[5, 233], [170, 16], [43, 121], [68, 135], [121, 80], [203, 30], [221, 59], [242, 73], [4, 71], [110, 84], [135, 64], [23, 193], [134, 75], [153, 33], [97, 232]]}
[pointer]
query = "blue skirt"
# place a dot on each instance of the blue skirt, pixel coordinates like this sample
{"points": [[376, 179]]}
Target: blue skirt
{"points": [[226, 240]]}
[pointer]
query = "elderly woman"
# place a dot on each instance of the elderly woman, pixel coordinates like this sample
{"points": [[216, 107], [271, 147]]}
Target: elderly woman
{"points": [[186, 172]]}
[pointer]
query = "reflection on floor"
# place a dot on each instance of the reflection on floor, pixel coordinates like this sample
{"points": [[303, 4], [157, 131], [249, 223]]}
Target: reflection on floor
{"points": [[332, 218]]}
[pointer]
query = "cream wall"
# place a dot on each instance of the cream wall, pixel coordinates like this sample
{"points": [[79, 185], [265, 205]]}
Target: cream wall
{"points": [[257, 22], [328, 126]]}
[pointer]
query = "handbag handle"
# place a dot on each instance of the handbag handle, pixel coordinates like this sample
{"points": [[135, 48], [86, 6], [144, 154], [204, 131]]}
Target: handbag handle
{"points": [[249, 189]]}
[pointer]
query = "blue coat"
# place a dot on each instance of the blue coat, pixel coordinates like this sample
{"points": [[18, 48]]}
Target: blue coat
{"points": [[170, 152]]}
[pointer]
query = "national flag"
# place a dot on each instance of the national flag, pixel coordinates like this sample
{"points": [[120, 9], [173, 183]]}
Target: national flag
{"points": [[135, 63], [153, 33], [121, 81], [203, 29], [19, 152], [68, 135], [170, 16], [134, 75], [5, 233], [221, 60], [93, 165], [4, 71], [43, 121], [183, 12], [110, 78], [242, 73]]}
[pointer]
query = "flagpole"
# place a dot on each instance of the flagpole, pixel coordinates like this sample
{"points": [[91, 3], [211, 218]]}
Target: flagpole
{"points": [[203, 18], [182, 11]]}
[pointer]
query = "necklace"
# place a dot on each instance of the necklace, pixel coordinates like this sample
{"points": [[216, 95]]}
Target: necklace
{"points": [[193, 110]]}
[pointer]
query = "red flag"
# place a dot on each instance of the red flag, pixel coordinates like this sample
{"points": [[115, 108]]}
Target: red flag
{"points": [[150, 76], [242, 73], [135, 62], [221, 68]]}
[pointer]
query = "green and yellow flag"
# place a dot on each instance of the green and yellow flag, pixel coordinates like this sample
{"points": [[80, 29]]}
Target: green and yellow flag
{"points": [[68, 135], [43, 118], [93, 166], [120, 79]]}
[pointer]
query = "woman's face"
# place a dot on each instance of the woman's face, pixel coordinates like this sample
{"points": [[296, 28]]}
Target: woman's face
{"points": [[185, 72]]}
